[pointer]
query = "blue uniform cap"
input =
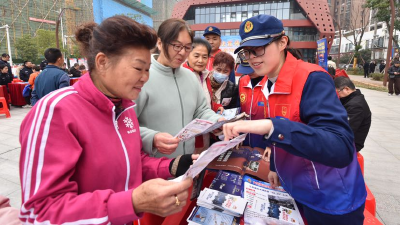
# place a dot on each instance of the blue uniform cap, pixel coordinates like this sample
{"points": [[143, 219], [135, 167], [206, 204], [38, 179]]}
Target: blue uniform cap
{"points": [[259, 30], [244, 67], [212, 30]]}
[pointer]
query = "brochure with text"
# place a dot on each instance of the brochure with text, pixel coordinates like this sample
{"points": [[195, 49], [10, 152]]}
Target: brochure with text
{"points": [[204, 216], [228, 182]]}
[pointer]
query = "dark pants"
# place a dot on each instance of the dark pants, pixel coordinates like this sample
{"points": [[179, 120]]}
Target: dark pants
{"points": [[317, 218], [366, 73], [394, 85]]}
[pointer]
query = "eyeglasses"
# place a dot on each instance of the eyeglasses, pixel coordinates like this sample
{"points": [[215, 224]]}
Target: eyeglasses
{"points": [[257, 52], [179, 47]]}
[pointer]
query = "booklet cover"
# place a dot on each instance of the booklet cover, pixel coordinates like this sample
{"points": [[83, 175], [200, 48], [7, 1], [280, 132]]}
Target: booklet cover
{"points": [[230, 113], [244, 160], [228, 182], [216, 200], [267, 205], [204, 216]]}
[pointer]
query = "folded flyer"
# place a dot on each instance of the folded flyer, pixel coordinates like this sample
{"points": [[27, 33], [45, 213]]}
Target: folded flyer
{"points": [[229, 204], [204, 216], [267, 205]]}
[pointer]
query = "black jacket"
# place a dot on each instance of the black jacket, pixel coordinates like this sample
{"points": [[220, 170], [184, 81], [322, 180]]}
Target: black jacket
{"points": [[359, 116], [372, 67], [230, 91], [5, 79], [9, 68], [381, 67], [393, 69], [25, 73], [74, 72]]}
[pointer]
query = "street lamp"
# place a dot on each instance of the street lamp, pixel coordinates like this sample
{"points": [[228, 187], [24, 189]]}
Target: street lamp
{"points": [[59, 19], [8, 42]]}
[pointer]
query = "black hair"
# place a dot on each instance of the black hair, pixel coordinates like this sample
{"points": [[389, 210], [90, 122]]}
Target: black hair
{"points": [[52, 55], [295, 52], [25, 62], [201, 41], [169, 31], [37, 68], [342, 82], [5, 55], [112, 37], [329, 57], [2, 66]]}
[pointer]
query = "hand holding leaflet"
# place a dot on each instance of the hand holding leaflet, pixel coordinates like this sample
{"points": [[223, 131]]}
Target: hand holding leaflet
{"points": [[207, 156]]}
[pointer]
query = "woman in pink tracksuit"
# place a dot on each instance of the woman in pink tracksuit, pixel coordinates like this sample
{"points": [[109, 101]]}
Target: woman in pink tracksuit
{"points": [[81, 159]]}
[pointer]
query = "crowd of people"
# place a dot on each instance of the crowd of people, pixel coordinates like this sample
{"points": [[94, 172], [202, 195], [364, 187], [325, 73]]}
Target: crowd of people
{"points": [[113, 165]]}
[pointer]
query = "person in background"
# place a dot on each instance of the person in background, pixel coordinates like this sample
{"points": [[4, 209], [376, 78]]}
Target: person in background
{"points": [[75, 70], [197, 62], [4, 60], [382, 66], [26, 71], [223, 92], [64, 68], [82, 69], [32, 78], [172, 94], [330, 62], [307, 129], [43, 64], [52, 77], [396, 58], [18, 70], [394, 78], [91, 170], [358, 112], [372, 66], [5, 77]]}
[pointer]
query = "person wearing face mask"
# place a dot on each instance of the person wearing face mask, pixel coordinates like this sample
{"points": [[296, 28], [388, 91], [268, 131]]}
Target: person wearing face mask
{"points": [[313, 152], [223, 91]]}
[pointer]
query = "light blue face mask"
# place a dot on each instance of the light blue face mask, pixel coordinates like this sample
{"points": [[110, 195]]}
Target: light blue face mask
{"points": [[219, 77]]}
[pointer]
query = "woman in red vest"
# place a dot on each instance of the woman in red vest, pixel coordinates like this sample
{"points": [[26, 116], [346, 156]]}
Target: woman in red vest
{"points": [[313, 153]]}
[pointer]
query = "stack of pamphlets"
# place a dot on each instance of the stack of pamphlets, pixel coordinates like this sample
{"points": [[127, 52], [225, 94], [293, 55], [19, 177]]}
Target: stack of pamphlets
{"points": [[230, 113], [204, 216], [228, 182], [226, 203], [267, 205]]}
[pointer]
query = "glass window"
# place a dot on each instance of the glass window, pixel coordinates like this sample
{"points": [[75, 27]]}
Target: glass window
{"points": [[202, 10], [207, 18], [244, 7], [218, 10], [202, 18], [233, 16], [228, 17], [268, 6], [244, 15], [212, 18], [267, 12], [285, 14], [238, 16], [207, 10], [250, 7], [279, 13], [286, 5], [228, 8], [280, 5], [274, 5], [223, 19], [218, 18], [262, 6], [212, 9], [255, 13], [222, 9], [238, 7], [197, 11], [273, 12], [227, 32]]}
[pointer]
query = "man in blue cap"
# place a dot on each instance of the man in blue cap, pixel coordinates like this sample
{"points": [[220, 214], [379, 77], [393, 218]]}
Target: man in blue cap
{"points": [[313, 152], [213, 36]]}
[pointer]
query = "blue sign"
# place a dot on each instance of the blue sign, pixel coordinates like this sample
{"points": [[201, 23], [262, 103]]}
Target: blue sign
{"points": [[323, 53]]}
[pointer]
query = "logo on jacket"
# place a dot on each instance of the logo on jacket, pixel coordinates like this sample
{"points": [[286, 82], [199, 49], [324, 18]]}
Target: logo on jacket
{"points": [[284, 110], [129, 124], [242, 98]]}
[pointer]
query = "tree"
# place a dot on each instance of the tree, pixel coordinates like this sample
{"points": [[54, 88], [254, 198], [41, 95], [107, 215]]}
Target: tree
{"points": [[357, 27], [27, 48], [46, 39], [382, 13]]}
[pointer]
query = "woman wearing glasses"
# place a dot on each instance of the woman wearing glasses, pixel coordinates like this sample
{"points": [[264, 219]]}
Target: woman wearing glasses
{"points": [[172, 97], [313, 153]]}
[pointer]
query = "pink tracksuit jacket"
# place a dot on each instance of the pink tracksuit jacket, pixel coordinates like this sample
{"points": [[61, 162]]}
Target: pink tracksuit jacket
{"points": [[79, 165]]}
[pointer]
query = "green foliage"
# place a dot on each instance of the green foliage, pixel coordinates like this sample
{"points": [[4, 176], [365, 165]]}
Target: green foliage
{"points": [[365, 54], [355, 71], [47, 39], [27, 48], [345, 58], [377, 76]]}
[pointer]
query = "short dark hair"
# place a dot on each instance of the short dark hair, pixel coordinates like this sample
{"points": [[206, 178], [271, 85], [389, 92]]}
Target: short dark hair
{"points": [[5, 55], [201, 41], [169, 31], [36, 68], [2, 65], [52, 55], [329, 57], [76, 64], [25, 62], [342, 82], [224, 58], [112, 37]]}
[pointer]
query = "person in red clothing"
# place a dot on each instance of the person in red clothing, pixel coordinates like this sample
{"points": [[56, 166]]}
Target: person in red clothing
{"points": [[91, 169], [213, 36]]}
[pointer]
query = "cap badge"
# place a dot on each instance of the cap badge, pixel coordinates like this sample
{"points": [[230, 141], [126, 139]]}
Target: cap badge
{"points": [[248, 27], [210, 29]]}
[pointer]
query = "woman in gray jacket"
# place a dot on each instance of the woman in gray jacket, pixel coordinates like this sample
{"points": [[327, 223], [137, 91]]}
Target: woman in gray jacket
{"points": [[172, 97]]}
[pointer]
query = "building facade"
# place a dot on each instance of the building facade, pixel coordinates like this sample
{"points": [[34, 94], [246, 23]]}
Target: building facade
{"points": [[26, 17], [139, 10], [164, 10], [349, 13], [304, 21]]}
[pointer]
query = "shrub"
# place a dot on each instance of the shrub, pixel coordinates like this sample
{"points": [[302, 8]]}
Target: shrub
{"points": [[377, 76]]}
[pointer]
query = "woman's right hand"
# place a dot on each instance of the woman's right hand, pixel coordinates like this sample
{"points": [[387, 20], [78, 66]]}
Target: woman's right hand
{"points": [[165, 143], [161, 197]]}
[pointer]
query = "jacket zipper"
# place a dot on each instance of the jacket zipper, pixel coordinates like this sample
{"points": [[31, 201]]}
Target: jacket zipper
{"points": [[183, 115], [115, 122], [251, 108]]}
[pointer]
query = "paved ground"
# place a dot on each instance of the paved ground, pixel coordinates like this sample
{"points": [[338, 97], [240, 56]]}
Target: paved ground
{"points": [[381, 154]]}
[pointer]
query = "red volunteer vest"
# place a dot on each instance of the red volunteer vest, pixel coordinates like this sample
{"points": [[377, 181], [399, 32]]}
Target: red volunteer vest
{"points": [[252, 100]]}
